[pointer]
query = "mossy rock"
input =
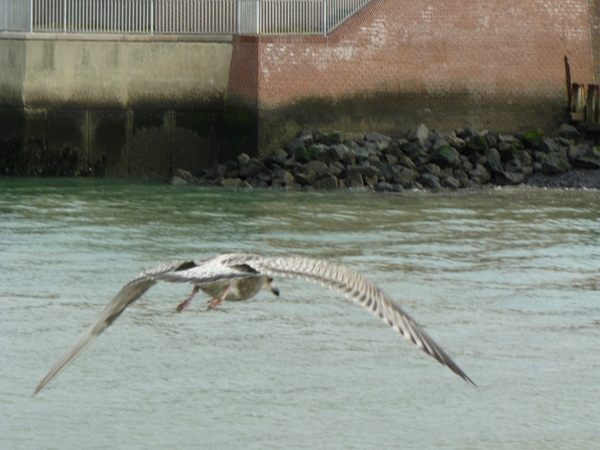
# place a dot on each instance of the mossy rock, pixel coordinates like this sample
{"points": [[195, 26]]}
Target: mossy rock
{"points": [[327, 139], [477, 143], [533, 137], [308, 153], [507, 151], [447, 156]]}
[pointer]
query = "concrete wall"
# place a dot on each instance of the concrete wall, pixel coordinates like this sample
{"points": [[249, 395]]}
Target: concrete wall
{"points": [[127, 106], [488, 63], [12, 71]]}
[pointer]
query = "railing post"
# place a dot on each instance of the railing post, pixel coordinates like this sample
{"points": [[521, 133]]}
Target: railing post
{"points": [[325, 17], [257, 17], [64, 16], [151, 16], [239, 15], [31, 16]]}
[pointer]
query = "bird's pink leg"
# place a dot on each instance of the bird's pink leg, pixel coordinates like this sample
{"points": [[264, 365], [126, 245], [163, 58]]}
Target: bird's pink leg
{"points": [[217, 301], [186, 303]]}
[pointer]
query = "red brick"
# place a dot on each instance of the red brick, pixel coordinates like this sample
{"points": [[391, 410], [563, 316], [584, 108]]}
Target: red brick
{"points": [[509, 50]]}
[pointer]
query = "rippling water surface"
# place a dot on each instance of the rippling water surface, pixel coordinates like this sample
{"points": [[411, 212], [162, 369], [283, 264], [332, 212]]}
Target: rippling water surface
{"points": [[507, 281]]}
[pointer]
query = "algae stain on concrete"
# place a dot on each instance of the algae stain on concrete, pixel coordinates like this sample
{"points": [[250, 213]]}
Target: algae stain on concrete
{"points": [[239, 131], [148, 120], [201, 122], [112, 131]]}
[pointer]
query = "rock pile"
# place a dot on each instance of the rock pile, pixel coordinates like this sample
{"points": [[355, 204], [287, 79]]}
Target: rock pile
{"points": [[420, 159]]}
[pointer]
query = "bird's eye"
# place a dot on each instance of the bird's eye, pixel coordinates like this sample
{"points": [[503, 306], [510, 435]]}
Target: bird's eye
{"points": [[270, 280]]}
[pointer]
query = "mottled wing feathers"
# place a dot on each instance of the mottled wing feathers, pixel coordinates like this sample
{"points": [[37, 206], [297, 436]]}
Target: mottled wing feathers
{"points": [[115, 307], [239, 266], [361, 290], [198, 272]]}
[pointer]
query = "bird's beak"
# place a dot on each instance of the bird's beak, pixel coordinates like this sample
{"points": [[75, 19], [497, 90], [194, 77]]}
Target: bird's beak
{"points": [[272, 287]]}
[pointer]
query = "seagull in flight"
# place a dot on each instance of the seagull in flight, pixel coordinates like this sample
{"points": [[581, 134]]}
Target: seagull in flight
{"points": [[240, 276]]}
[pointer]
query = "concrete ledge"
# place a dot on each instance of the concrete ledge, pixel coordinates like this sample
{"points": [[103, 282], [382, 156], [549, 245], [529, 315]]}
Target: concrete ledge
{"points": [[219, 38]]}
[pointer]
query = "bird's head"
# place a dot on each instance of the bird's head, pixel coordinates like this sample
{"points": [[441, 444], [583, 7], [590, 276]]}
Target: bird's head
{"points": [[270, 286]]}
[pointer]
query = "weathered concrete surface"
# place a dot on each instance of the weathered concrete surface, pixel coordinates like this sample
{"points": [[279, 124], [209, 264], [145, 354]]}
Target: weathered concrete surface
{"points": [[67, 73], [126, 105], [109, 142], [12, 72]]}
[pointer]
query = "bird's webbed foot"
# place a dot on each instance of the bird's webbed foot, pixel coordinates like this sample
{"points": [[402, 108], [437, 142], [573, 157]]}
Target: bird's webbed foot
{"points": [[187, 301]]}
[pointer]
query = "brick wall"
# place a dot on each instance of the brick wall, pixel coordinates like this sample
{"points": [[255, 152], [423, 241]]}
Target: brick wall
{"points": [[594, 8], [496, 64]]}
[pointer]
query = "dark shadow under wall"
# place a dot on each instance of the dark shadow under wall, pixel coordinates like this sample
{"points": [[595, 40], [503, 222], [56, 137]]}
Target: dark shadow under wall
{"points": [[122, 142]]}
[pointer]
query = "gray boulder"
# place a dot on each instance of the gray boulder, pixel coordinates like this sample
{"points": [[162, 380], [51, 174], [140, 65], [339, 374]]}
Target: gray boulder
{"points": [[336, 169], [388, 187], [178, 181], [327, 139], [554, 163], [251, 168], [439, 143], [468, 133], [476, 143], [327, 182], [432, 169], [422, 133], [243, 158], [417, 153], [507, 151], [455, 142], [480, 173], [337, 152], [525, 158], [319, 167], [509, 178], [294, 145], [584, 157], [386, 169], [216, 171], [430, 181], [377, 137], [548, 145], [355, 181], [405, 176], [365, 171], [405, 161], [306, 178], [450, 183], [371, 181], [234, 182], [184, 175], [284, 176], [446, 156], [514, 165], [566, 131], [393, 160], [306, 137]]}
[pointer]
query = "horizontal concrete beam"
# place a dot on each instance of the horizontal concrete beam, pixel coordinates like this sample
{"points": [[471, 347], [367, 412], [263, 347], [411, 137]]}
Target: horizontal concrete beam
{"points": [[13, 35], [114, 71]]}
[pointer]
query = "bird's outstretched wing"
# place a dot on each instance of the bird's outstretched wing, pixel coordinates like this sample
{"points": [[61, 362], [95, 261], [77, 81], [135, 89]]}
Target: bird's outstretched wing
{"points": [[361, 290], [236, 266], [198, 272]]}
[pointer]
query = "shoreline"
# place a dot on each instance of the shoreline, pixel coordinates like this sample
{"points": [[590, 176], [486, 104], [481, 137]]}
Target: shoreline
{"points": [[418, 160]]}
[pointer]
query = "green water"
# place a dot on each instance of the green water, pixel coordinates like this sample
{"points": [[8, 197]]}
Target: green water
{"points": [[505, 280]]}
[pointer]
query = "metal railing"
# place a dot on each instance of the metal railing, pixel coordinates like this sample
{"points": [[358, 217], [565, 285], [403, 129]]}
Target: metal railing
{"points": [[177, 16]]}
